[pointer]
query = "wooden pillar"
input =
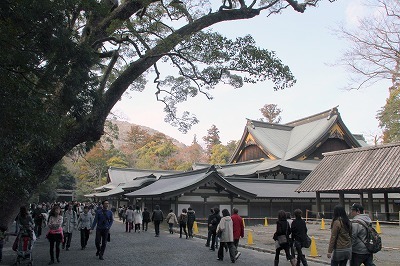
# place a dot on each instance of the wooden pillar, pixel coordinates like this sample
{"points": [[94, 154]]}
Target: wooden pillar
{"points": [[176, 204], [341, 198], [386, 198], [318, 203], [230, 211], [362, 199], [205, 213], [370, 205]]}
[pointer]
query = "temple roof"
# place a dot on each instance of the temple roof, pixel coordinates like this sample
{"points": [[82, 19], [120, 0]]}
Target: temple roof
{"points": [[121, 176], [295, 139], [177, 184], [375, 168]]}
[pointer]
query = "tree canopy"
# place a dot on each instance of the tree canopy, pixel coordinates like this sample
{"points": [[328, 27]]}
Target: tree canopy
{"points": [[374, 55], [65, 64]]}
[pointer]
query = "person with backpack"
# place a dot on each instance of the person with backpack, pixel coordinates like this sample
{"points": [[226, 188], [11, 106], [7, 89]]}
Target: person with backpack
{"points": [[360, 224], [157, 217], [182, 223]]}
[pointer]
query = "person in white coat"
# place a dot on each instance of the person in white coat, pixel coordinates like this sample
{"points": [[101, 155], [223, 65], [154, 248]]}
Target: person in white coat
{"points": [[137, 218], [70, 222], [129, 219], [225, 231]]}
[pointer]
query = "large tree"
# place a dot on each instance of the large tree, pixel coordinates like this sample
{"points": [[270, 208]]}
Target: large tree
{"points": [[65, 64], [271, 113], [374, 55]]}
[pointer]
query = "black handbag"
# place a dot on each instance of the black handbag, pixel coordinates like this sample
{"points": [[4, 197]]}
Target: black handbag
{"points": [[282, 239]]}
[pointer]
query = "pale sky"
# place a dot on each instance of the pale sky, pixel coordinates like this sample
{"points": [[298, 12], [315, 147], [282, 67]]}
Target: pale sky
{"points": [[306, 44]]}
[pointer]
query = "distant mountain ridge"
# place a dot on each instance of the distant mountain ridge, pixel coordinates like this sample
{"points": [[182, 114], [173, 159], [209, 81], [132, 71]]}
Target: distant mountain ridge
{"points": [[124, 127]]}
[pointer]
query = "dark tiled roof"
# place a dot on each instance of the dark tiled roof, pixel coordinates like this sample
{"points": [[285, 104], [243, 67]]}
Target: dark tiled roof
{"points": [[374, 168]]}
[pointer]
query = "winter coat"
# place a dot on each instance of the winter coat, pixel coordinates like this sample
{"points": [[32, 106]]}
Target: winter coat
{"points": [[129, 215], [171, 218], [215, 219], [299, 230], [183, 218], [146, 216], [191, 217], [282, 228], [85, 221], [70, 221], [157, 216], [226, 227], [359, 231], [339, 235], [238, 227], [137, 217]]}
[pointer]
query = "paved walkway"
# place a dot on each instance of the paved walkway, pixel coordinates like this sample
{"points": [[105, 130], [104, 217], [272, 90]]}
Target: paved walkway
{"points": [[142, 249]]}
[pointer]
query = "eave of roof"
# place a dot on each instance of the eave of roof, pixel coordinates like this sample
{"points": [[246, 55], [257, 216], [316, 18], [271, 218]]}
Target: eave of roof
{"points": [[175, 185], [357, 170]]}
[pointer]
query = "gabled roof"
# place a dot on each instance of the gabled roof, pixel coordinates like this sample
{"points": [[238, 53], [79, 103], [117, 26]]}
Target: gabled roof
{"points": [[177, 184], [358, 170], [262, 166], [120, 176], [294, 139]]}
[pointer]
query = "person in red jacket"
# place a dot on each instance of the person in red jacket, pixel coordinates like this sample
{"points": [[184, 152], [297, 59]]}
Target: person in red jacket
{"points": [[238, 229]]}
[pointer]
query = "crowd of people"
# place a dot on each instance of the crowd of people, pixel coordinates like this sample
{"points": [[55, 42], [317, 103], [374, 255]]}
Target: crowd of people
{"points": [[347, 241]]}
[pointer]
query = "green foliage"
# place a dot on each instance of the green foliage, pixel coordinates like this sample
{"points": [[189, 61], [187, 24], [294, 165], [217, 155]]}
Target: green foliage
{"points": [[212, 138], [155, 153], [60, 178], [389, 117], [219, 154], [67, 63]]}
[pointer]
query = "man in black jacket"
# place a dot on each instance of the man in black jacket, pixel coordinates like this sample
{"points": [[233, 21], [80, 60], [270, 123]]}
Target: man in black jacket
{"points": [[157, 218], [209, 225], [215, 218], [191, 219]]}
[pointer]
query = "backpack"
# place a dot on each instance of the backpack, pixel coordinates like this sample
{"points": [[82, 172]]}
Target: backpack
{"points": [[373, 241]]}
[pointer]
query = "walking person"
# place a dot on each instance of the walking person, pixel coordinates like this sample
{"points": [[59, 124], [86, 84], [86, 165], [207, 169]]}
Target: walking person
{"points": [[299, 236], [225, 229], [238, 230], [209, 233], [38, 218], [129, 219], [157, 218], [182, 223], [191, 219], [84, 224], [146, 219], [340, 241], [3, 234], [55, 233], [70, 222], [104, 220], [171, 220], [281, 236], [215, 219], [137, 218], [289, 220], [360, 254]]}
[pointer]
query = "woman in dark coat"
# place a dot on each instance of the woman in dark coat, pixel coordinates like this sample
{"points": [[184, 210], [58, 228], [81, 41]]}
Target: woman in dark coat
{"points": [[283, 229], [299, 235]]}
